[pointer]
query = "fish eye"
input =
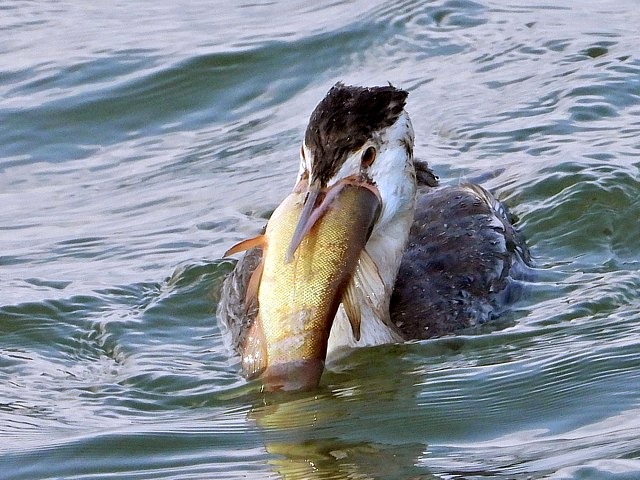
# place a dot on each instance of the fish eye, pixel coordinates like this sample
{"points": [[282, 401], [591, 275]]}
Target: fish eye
{"points": [[368, 157]]}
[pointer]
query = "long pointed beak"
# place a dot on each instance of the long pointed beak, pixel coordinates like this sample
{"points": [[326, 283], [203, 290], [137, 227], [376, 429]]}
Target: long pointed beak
{"points": [[316, 203], [313, 242], [305, 221]]}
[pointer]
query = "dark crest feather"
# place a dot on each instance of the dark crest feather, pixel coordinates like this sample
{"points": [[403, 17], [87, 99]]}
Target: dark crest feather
{"points": [[345, 119]]}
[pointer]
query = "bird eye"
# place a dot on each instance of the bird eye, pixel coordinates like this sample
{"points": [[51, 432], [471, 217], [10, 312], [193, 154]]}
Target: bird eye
{"points": [[368, 157]]}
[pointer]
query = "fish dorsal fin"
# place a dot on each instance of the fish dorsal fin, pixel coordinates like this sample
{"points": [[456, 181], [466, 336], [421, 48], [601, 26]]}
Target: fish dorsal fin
{"points": [[259, 242], [366, 286]]}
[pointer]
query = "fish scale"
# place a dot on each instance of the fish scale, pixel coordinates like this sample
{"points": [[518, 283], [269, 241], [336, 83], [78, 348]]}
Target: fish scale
{"points": [[298, 300]]}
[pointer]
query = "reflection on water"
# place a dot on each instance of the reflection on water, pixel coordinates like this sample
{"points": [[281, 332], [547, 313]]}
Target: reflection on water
{"points": [[308, 439], [138, 141], [426, 419]]}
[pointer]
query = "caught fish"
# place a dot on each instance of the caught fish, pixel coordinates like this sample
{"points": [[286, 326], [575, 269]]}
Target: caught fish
{"points": [[299, 290]]}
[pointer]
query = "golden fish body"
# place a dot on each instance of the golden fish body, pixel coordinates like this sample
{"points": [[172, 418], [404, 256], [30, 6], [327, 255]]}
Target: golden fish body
{"points": [[298, 300]]}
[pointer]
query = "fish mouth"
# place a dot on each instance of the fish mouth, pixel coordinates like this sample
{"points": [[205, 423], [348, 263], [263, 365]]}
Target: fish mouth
{"points": [[313, 243], [318, 201]]}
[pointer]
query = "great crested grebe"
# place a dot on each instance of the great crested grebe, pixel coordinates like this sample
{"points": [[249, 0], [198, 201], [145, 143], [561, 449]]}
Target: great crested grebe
{"points": [[429, 260]]}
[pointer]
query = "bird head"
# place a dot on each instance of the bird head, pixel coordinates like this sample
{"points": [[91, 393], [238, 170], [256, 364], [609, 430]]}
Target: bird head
{"points": [[364, 134]]}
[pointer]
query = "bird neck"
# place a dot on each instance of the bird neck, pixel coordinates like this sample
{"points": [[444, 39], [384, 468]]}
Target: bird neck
{"points": [[385, 248]]}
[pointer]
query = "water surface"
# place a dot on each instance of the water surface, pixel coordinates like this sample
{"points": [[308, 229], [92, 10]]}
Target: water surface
{"points": [[138, 141]]}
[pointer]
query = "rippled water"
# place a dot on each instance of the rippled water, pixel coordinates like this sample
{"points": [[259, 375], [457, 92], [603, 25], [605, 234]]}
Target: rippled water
{"points": [[138, 140]]}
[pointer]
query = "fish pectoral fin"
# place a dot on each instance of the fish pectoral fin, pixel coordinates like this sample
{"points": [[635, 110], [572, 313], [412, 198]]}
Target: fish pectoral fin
{"points": [[254, 350], [366, 287], [260, 241], [372, 288], [369, 280], [351, 304]]}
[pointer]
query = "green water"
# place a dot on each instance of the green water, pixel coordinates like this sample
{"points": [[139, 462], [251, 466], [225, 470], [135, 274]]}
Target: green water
{"points": [[139, 140]]}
